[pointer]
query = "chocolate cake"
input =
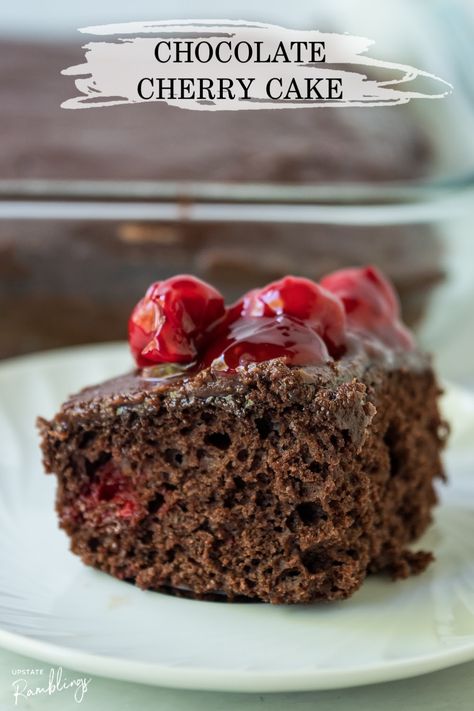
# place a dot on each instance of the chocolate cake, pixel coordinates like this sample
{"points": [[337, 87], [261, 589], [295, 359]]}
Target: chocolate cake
{"points": [[279, 450]]}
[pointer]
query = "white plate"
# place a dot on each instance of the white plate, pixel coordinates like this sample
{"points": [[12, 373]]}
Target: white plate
{"points": [[54, 608]]}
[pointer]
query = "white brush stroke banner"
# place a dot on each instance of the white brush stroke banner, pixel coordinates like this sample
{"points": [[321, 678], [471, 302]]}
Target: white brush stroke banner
{"points": [[125, 70]]}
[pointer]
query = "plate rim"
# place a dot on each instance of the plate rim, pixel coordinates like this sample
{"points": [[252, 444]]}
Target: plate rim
{"points": [[249, 681]]}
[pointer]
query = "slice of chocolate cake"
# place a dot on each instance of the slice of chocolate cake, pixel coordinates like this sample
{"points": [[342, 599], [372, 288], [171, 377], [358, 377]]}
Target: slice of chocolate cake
{"points": [[279, 449]]}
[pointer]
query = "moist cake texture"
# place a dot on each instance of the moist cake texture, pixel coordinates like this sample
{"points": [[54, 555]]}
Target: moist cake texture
{"points": [[271, 480]]}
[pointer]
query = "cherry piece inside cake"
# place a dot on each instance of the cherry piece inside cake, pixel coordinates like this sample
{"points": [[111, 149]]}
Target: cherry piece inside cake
{"points": [[279, 449]]}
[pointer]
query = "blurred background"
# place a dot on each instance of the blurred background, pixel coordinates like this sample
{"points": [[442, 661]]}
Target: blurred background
{"points": [[96, 204]]}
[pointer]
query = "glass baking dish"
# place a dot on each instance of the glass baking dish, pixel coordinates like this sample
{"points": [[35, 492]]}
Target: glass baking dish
{"points": [[76, 264]]}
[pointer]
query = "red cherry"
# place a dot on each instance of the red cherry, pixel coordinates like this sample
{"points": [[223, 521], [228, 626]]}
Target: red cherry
{"points": [[371, 304], [169, 323], [293, 318], [111, 486], [305, 301]]}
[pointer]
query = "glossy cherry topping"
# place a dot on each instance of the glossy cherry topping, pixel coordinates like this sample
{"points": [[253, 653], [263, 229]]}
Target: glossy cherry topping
{"points": [[169, 324], [252, 339], [304, 301], [183, 321], [293, 318], [371, 305]]}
